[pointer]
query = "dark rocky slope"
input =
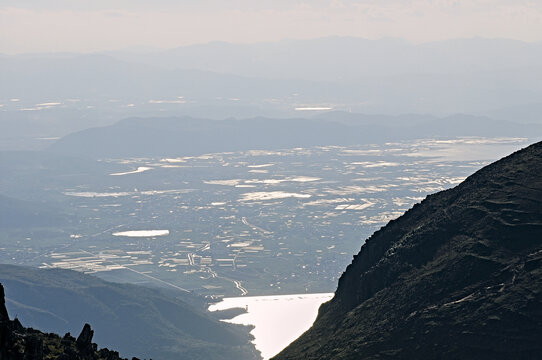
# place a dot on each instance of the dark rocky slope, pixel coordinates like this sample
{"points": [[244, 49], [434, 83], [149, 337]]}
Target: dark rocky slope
{"points": [[458, 276], [20, 343]]}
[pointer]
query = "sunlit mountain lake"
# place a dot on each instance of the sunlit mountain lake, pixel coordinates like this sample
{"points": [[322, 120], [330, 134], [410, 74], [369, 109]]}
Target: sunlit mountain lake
{"points": [[278, 320]]}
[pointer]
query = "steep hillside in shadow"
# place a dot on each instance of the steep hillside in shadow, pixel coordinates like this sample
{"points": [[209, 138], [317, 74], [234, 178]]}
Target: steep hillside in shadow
{"points": [[20, 343], [134, 320], [459, 276]]}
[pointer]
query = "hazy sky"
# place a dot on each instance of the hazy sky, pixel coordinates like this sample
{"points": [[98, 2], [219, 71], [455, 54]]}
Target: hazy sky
{"points": [[84, 26]]}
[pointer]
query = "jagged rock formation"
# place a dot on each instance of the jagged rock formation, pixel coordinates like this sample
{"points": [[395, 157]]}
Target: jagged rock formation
{"points": [[20, 343], [3, 311], [458, 276]]}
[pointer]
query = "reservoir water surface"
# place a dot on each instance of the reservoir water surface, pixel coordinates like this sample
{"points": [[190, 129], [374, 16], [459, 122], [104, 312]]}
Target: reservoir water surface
{"points": [[278, 319]]}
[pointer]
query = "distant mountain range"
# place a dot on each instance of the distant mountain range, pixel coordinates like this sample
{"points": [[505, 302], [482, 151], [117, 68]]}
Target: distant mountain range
{"points": [[376, 76], [134, 320], [190, 136], [458, 276], [45, 96], [344, 58]]}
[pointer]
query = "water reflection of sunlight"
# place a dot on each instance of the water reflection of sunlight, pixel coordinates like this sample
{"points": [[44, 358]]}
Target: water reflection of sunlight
{"points": [[286, 317]]}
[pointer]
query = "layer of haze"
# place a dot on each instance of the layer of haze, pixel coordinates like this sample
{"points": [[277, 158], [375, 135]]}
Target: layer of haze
{"points": [[77, 26]]}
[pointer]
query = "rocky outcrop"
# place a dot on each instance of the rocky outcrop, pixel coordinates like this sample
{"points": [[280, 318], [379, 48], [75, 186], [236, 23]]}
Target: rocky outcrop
{"points": [[457, 276], [84, 341], [3, 310], [19, 343]]}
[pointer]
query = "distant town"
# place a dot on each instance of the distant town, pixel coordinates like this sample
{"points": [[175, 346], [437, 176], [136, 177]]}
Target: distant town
{"points": [[230, 224]]}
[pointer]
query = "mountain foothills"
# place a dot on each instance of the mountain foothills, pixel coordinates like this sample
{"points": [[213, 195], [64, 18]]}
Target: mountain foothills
{"points": [[172, 136], [458, 276], [134, 320]]}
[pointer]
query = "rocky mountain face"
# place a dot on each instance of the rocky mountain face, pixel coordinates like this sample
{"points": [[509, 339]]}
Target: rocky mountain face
{"points": [[20, 343], [458, 276]]}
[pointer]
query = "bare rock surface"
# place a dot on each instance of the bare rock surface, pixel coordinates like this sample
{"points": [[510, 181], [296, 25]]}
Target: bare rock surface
{"points": [[458, 276]]}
